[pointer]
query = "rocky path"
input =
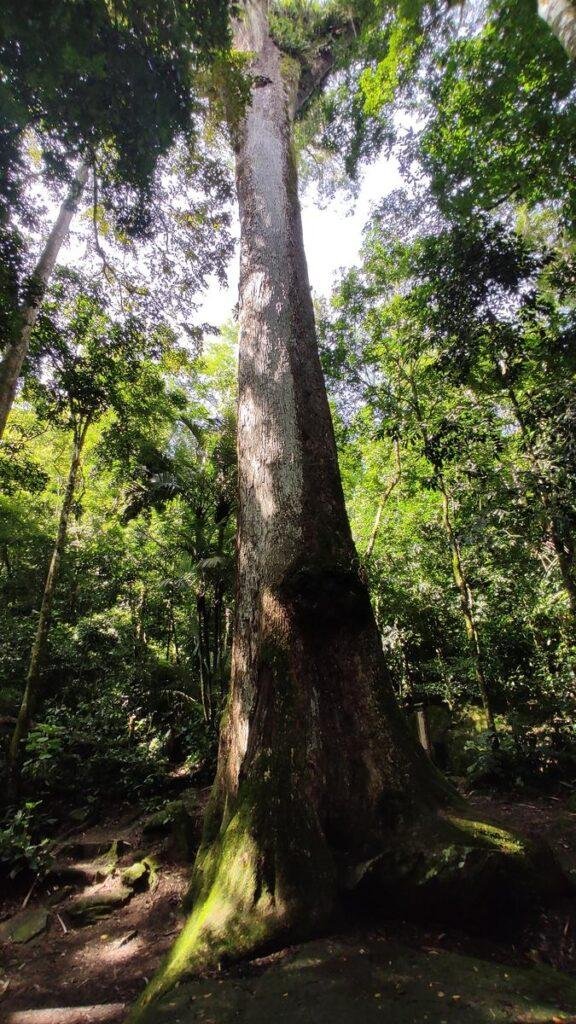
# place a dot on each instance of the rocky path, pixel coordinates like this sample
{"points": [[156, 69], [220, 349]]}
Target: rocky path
{"points": [[97, 928], [89, 938]]}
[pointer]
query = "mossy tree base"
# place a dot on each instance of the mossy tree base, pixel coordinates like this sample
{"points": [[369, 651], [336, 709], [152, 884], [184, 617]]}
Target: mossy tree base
{"points": [[447, 869], [460, 871]]}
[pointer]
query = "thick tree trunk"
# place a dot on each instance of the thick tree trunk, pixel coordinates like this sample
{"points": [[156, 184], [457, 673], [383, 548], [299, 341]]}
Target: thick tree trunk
{"points": [[560, 15], [316, 765], [32, 688], [16, 351]]}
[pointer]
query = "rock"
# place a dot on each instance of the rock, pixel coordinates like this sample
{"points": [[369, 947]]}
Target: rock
{"points": [[80, 814], [93, 849], [87, 872], [136, 876], [102, 899], [24, 926], [181, 820], [376, 982], [82, 873], [98, 902]]}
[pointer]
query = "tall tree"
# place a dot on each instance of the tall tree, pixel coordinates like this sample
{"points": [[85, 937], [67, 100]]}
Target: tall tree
{"points": [[114, 87], [317, 777], [16, 349]]}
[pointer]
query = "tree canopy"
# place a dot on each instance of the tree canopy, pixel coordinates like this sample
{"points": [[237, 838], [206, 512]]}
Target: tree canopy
{"points": [[314, 554]]}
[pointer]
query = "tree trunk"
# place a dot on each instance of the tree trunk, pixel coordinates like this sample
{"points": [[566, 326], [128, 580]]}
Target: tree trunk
{"points": [[467, 606], [203, 656], [316, 763], [33, 687], [16, 351], [560, 16], [382, 504], [458, 571]]}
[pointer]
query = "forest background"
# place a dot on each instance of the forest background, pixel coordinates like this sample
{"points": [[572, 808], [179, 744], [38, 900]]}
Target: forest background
{"points": [[449, 359]]}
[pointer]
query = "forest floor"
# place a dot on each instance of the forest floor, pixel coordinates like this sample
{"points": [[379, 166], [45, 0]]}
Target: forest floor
{"points": [[82, 968]]}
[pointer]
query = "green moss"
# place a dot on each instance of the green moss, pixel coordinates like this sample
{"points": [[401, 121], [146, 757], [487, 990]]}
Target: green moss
{"points": [[234, 912], [290, 71], [483, 833]]}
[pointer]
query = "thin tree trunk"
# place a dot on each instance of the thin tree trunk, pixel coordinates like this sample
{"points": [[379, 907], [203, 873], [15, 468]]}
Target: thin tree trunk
{"points": [[33, 685], [382, 505], [467, 607], [560, 16], [16, 351], [174, 634], [6, 560], [563, 546], [203, 667], [458, 571]]}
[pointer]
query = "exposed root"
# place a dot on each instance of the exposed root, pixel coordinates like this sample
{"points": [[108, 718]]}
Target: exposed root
{"points": [[446, 869]]}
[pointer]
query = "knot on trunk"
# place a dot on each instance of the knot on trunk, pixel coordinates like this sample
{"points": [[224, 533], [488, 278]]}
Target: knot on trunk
{"points": [[325, 597]]}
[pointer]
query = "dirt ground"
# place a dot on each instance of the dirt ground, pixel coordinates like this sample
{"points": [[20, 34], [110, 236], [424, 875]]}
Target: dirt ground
{"points": [[84, 975]]}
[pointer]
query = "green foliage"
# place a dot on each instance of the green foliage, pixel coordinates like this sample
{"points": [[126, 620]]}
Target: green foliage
{"points": [[503, 118], [300, 26], [94, 75], [530, 753], [455, 345], [21, 848], [406, 36], [138, 653]]}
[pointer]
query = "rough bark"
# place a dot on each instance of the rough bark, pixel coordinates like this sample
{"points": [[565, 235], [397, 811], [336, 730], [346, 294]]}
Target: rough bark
{"points": [[16, 350], [33, 687], [560, 16]]}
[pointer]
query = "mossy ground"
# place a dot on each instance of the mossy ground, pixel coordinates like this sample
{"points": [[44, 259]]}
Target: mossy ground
{"points": [[373, 980]]}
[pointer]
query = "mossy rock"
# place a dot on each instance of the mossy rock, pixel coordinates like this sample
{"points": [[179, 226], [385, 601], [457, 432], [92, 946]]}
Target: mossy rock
{"points": [[24, 926], [465, 872], [372, 981], [93, 906], [181, 820], [135, 874], [143, 874]]}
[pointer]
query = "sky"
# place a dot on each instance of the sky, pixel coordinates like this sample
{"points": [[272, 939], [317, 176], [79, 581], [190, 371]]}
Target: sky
{"points": [[332, 238]]}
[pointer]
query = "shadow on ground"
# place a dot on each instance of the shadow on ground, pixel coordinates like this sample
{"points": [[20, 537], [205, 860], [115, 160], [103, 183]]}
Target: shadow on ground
{"points": [[343, 982]]}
